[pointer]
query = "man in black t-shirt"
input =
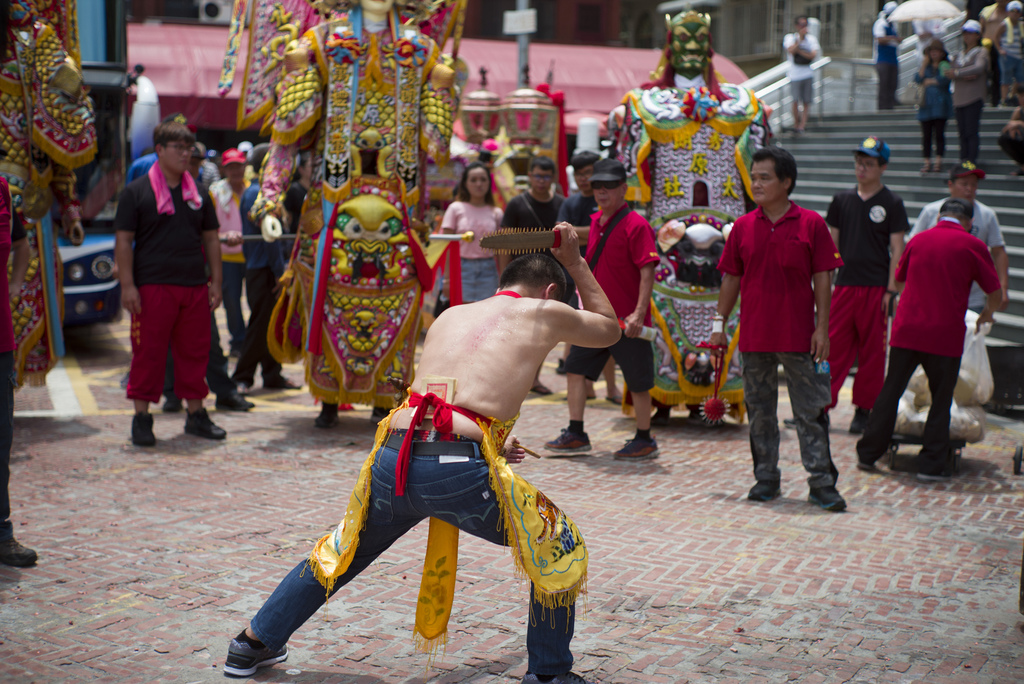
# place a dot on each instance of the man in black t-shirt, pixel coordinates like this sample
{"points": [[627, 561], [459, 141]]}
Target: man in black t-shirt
{"points": [[868, 224], [536, 208], [164, 225]]}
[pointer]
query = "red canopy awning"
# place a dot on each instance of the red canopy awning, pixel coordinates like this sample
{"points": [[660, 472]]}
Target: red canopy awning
{"points": [[184, 63]]}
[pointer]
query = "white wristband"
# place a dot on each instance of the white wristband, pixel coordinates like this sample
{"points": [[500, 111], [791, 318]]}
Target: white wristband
{"points": [[716, 327]]}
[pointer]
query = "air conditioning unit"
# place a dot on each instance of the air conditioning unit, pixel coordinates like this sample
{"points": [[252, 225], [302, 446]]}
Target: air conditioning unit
{"points": [[215, 11]]}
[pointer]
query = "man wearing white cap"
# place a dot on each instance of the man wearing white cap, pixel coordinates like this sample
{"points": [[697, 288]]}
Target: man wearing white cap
{"points": [[887, 42]]}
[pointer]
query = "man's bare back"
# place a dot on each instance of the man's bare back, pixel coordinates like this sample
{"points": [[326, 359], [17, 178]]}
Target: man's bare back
{"points": [[493, 348]]}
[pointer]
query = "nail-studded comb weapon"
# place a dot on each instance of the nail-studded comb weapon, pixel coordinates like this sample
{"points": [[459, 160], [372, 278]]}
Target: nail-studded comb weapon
{"points": [[523, 240]]}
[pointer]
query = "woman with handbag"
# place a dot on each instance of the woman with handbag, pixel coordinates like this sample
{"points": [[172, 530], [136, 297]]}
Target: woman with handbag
{"points": [[934, 104], [969, 67]]}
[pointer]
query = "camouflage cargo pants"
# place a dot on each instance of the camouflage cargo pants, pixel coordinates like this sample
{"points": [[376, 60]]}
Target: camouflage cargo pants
{"points": [[810, 395]]}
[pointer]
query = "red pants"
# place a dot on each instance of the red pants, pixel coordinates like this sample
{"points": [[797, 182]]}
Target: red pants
{"points": [[856, 332], [177, 316]]}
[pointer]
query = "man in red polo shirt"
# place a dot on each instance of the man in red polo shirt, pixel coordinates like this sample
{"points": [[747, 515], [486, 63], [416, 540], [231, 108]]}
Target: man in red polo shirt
{"points": [[622, 253], [780, 257], [938, 267]]}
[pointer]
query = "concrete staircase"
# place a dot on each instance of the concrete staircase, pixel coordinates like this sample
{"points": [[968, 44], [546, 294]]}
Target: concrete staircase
{"points": [[825, 162]]}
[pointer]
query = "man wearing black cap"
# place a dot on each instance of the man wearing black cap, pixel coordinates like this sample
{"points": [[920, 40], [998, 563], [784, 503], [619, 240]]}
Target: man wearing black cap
{"points": [[963, 184], [868, 224], [939, 268], [622, 253]]}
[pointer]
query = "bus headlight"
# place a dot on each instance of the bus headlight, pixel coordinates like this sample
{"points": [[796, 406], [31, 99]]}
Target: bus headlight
{"points": [[103, 267], [76, 272]]}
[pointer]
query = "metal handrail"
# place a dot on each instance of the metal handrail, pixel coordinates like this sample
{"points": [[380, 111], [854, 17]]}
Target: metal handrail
{"points": [[840, 82]]}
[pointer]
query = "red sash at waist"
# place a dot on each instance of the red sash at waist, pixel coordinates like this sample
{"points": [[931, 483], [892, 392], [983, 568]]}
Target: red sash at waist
{"points": [[443, 412]]}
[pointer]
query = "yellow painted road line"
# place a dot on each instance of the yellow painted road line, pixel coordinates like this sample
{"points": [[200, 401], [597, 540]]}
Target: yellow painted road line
{"points": [[86, 400]]}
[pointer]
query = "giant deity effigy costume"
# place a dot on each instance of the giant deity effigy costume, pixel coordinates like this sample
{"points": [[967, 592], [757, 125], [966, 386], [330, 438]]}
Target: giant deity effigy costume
{"points": [[370, 102], [47, 130], [686, 141]]}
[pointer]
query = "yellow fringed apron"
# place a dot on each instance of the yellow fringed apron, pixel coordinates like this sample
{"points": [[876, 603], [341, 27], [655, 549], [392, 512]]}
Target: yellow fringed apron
{"points": [[547, 547]]}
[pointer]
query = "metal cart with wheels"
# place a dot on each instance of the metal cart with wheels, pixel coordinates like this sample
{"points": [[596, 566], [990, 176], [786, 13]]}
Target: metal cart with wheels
{"points": [[956, 447]]}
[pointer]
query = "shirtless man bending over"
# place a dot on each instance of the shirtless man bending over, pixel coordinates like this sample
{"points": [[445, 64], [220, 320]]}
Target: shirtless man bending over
{"points": [[454, 469]]}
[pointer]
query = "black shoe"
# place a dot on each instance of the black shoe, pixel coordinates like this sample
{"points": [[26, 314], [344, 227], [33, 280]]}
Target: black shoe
{"points": [[867, 466], [13, 553], [243, 660], [234, 402], [859, 422], [171, 405], [662, 416], [764, 490], [281, 383], [328, 417], [790, 423], [142, 430], [828, 498], [200, 425]]}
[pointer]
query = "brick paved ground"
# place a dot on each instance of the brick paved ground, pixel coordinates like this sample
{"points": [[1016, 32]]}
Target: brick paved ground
{"points": [[151, 559]]}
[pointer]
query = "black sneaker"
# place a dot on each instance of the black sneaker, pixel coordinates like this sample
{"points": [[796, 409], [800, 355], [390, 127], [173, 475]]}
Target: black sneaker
{"points": [[234, 402], [867, 466], [859, 422], [171, 405], [14, 554], [569, 443], [828, 498], [328, 417], [764, 490], [243, 660], [567, 678], [281, 383], [662, 416], [200, 425], [142, 430]]}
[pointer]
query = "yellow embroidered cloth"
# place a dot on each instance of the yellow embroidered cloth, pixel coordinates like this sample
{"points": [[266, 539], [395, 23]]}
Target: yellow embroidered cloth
{"points": [[547, 547]]}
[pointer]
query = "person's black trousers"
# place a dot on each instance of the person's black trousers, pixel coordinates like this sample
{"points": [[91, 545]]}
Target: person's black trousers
{"points": [[942, 372], [968, 124], [1013, 147], [216, 368], [888, 77], [259, 288]]}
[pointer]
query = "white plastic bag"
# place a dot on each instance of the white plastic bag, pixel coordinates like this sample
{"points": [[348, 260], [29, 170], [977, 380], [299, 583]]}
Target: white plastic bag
{"points": [[975, 384], [967, 423]]}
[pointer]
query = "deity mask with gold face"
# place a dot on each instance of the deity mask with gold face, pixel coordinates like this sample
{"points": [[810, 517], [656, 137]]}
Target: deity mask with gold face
{"points": [[689, 43]]}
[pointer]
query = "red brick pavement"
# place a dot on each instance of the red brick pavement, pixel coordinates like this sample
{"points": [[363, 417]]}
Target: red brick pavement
{"points": [[152, 559]]}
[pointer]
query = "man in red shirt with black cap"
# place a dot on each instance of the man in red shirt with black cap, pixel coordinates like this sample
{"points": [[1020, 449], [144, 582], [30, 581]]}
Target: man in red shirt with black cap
{"points": [[621, 252], [938, 267]]}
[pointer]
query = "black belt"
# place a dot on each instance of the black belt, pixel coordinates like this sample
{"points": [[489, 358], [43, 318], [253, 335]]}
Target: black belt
{"points": [[419, 448]]}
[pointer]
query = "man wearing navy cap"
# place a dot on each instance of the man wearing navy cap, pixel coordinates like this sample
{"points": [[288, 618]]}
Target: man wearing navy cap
{"points": [[868, 223]]}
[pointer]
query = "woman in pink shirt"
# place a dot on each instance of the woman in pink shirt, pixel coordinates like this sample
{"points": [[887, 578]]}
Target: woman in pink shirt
{"points": [[474, 210]]}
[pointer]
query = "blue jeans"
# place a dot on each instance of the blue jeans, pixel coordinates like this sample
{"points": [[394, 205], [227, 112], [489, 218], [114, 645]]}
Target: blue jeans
{"points": [[479, 279], [234, 275], [457, 493], [8, 378], [1011, 69]]}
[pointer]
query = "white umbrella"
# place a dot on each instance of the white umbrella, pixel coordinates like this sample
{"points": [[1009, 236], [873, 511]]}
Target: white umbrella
{"points": [[925, 9]]}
